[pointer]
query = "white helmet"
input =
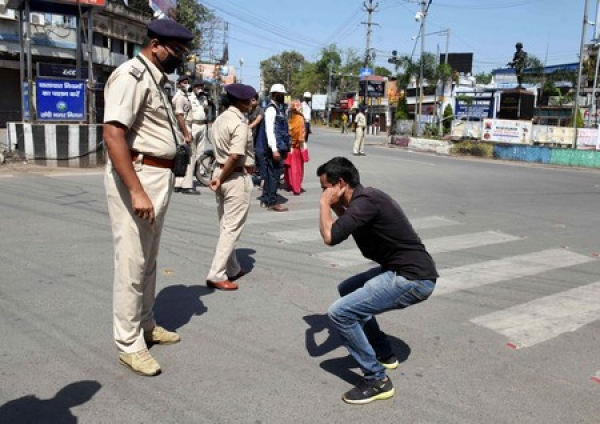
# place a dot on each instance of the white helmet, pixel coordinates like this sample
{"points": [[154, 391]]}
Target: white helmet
{"points": [[307, 95], [278, 88]]}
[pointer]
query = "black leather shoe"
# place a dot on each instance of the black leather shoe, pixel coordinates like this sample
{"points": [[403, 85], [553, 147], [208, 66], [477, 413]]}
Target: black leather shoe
{"points": [[190, 191], [177, 189]]}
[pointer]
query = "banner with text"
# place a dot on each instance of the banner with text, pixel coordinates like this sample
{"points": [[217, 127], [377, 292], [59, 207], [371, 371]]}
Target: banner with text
{"points": [[507, 131], [60, 100]]}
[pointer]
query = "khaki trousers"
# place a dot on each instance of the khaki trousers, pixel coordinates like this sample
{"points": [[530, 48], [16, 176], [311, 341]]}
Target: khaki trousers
{"points": [[359, 141], [198, 142], [233, 203], [136, 243]]}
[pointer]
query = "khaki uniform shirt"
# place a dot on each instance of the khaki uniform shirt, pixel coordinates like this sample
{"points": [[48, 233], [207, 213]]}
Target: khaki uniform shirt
{"points": [[361, 120], [183, 106], [231, 135], [198, 113], [134, 100]]}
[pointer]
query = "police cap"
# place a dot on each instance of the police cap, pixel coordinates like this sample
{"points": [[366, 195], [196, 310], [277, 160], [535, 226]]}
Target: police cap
{"points": [[183, 78], [240, 91], [198, 82], [166, 29]]}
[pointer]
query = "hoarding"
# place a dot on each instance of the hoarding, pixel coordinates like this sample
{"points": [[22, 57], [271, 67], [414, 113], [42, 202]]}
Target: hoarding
{"points": [[507, 131]]}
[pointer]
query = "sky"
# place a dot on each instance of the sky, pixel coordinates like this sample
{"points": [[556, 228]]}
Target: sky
{"points": [[551, 30]]}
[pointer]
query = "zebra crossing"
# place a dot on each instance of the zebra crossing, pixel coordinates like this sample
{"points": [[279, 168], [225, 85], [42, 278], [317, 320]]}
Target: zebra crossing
{"points": [[522, 326]]}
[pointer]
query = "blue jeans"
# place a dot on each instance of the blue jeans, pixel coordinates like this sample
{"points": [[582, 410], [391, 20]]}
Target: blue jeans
{"points": [[364, 296]]}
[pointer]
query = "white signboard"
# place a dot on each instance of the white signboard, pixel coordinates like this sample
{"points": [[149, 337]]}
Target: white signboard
{"points": [[587, 138], [319, 101], [507, 131]]}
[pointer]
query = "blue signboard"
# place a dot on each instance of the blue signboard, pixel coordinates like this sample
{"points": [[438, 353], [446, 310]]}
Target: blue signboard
{"points": [[366, 72], [60, 100], [481, 107]]}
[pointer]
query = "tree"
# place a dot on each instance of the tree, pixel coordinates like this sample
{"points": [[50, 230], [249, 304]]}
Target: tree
{"points": [[483, 78], [402, 109], [283, 69], [448, 117], [189, 13]]}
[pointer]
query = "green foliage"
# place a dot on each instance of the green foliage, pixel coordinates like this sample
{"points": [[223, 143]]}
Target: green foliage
{"points": [[448, 117], [402, 109], [283, 69], [189, 13], [483, 78], [473, 148]]}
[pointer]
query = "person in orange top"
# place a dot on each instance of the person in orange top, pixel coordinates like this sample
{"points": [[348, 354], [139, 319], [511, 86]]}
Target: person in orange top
{"points": [[294, 164]]}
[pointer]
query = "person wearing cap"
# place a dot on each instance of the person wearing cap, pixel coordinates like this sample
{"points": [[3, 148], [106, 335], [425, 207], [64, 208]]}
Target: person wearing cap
{"points": [[199, 118], [232, 183], [273, 144], [182, 104], [359, 136], [141, 136], [307, 112]]}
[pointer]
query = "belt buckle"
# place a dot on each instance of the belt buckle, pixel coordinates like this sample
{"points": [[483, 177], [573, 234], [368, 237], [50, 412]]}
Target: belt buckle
{"points": [[138, 162]]}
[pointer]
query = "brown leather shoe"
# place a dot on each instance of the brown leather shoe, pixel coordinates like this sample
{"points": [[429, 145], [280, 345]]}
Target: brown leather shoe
{"points": [[277, 208], [238, 275], [222, 285]]}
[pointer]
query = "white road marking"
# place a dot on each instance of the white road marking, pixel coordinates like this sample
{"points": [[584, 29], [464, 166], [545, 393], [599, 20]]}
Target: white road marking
{"points": [[351, 257], [312, 234], [543, 319], [490, 272]]}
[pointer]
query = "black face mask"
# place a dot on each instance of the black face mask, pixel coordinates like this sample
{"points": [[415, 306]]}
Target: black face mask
{"points": [[170, 63], [279, 98]]}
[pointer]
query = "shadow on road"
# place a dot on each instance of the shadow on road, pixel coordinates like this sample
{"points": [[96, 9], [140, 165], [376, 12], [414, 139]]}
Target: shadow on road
{"points": [[31, 409], [340, 367], [176, 305], [245, 257]]}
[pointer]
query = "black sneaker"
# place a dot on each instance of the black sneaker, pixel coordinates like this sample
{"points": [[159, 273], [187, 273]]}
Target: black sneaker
{"points": [[390, 362], [369, 390]]}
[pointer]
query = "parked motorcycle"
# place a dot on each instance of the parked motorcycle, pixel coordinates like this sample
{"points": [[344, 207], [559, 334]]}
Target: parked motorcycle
{"points": [[204, 167]]}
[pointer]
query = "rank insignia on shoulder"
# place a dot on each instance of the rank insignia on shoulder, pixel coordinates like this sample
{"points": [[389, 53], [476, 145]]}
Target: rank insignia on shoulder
{"points": [[136, 72]]}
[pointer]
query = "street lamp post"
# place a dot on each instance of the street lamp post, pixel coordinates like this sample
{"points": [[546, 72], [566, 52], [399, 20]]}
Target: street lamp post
{"points": [[578, 88]]}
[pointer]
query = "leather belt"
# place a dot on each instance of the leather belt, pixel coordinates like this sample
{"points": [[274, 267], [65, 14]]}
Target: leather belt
{"points": [[153, 161], [200, 122]]}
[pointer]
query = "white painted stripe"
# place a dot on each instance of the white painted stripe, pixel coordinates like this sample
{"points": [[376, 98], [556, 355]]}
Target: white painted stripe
{"points": [[313, 234], [490, 272], [543, 319], [467, 241], [12, 138], [50, 145], [268, 217], [73, 132], [29, 151], [350, 257], [92, 144], [344, 258]]}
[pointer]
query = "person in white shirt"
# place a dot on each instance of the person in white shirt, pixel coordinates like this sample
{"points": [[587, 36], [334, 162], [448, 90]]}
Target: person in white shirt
{"points": [[306, 111]]}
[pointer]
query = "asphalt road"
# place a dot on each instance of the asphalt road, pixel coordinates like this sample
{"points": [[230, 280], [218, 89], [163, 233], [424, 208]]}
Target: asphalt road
{"points": [[510, 335]]}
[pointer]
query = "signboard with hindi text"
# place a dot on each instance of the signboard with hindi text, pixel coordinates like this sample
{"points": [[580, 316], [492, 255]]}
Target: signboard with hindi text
{"points": [[60, 100]]}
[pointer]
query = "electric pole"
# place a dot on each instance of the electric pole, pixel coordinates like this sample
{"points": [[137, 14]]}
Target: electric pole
{"points": [[370, 9]]}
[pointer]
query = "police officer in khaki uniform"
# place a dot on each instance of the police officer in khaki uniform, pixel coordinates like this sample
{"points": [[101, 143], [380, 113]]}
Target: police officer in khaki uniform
{"points": [[140, 135], [182, 104], [359, 137], [199, 118], [232, 183]]}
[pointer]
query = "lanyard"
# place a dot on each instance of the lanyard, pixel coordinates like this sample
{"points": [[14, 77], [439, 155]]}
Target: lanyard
{"points": [[162, 98]]}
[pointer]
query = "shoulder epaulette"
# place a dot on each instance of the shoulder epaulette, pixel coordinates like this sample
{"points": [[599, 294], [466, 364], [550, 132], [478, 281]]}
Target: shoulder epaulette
{"points": [[136, 72]]}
